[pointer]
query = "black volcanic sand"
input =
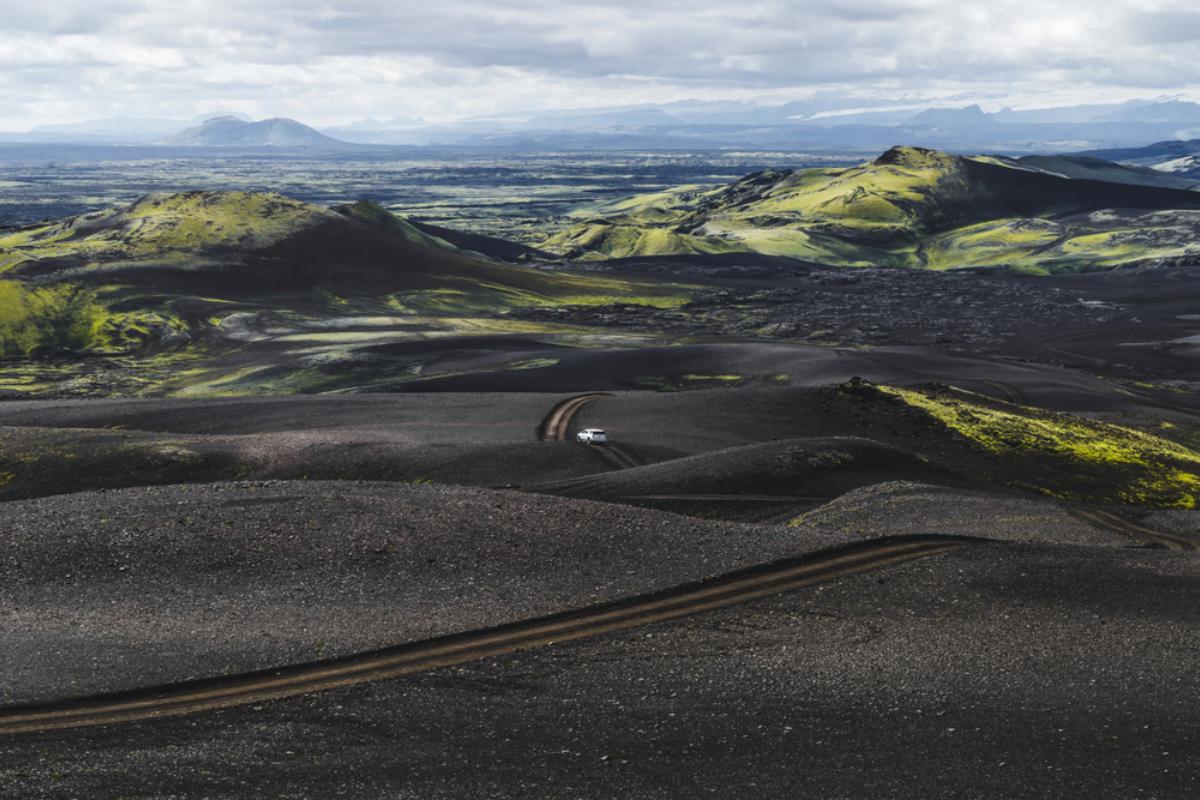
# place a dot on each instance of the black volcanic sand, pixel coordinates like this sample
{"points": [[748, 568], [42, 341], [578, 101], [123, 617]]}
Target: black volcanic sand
{"points": [[1048, 386], [1059, 667], [757, 481], [1148, 339], [904, 507], [117, 589], [63, 446], [53, 447]]}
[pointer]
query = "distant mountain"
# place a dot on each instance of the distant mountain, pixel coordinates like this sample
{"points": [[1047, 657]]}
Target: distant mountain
{"points": [[1172, 111], [1158, 151], [124, 130], [1179, 158], [1097, 169], [910, 207], [941, 117], [372, 124], [275, 132], [602, 120]]}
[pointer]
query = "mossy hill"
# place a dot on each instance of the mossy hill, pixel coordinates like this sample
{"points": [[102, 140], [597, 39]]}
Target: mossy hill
{"points": [[909, 207]]}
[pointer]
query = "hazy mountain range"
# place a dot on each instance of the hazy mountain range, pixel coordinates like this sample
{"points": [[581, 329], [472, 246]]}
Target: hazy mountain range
{"points": [[821, 123]]}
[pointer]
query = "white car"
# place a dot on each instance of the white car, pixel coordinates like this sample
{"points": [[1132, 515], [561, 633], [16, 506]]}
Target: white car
{"points": [[591, 436]]}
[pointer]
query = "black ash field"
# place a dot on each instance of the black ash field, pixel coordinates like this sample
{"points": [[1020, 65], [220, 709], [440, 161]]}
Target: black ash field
{"points": [[292, 503]]}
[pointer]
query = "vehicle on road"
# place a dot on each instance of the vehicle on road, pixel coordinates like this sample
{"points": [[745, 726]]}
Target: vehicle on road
{"points": [[591, 436]]}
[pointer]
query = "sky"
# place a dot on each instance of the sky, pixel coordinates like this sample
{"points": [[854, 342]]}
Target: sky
{"points": [[334, 62]]}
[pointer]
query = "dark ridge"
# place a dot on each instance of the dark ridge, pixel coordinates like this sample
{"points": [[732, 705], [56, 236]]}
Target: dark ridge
{"points": [[490, 246]]}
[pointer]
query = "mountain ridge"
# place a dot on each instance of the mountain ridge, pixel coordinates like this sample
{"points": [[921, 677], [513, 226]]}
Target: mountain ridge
{"points": [[910, 206]]}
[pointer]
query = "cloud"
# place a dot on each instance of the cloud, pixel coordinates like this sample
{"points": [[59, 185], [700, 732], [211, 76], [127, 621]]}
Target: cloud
{"points": [[329, 61]]}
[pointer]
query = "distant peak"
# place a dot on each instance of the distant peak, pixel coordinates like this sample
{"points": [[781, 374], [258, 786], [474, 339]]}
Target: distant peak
{"points": [[967, 115]]}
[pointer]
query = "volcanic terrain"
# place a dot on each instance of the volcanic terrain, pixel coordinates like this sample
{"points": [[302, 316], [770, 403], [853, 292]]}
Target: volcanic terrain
{"points": [[293, 503]]}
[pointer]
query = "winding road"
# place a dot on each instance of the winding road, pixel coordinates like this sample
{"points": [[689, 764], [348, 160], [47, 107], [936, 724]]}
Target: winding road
{"points": [[406, 659], [557, 423], [556, 426]]}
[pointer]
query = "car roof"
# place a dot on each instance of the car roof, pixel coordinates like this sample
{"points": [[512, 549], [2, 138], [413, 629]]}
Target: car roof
{"points": [[593, 430]]}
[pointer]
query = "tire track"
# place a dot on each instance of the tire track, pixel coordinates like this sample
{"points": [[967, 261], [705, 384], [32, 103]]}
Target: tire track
{"points": [[406, 659], [621, 457], [1108, 521], [557, 423], [1052, 346]]}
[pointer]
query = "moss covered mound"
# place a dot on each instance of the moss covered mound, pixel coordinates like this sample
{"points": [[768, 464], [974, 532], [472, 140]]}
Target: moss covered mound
{"points": [[1060, 455], [161, 226]]}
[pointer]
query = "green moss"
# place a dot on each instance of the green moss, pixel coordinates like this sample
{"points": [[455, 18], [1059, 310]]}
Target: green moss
{"points": [[1075, 452], [131, 331], [165, 226], [531, 363], [57, 316], [602, 239]]}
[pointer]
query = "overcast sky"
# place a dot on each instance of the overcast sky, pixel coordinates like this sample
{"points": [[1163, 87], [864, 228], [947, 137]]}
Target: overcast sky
{"points": [[337, 61]]}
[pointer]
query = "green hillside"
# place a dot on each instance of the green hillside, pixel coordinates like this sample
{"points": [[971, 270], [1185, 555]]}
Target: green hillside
{"points": [[910, 207], [182, 279]]}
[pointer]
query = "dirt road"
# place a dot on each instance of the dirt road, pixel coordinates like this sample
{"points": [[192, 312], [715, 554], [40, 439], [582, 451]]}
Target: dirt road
{"points": [[406, 659]]}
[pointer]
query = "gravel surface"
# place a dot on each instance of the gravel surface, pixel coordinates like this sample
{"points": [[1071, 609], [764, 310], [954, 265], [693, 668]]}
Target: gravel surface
{"points": [[999, 671], [904, 507], [119, 589], [1059, 661]]}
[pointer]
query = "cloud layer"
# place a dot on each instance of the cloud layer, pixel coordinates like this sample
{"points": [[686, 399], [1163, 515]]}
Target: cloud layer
{"points": [[327, 62]]}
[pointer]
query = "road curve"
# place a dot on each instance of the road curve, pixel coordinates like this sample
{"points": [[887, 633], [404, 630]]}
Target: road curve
{"points": [[406, 659], [1111, 522], [556, 424]]}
